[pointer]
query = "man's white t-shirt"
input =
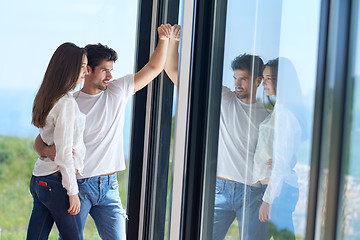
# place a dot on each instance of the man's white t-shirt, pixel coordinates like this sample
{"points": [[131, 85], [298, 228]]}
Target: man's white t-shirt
{"points": [[238, 134], [103, 135]]}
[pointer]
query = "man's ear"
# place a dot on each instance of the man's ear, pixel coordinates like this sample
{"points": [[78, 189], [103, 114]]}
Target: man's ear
{"points": [[258, 81], [88, 69]]}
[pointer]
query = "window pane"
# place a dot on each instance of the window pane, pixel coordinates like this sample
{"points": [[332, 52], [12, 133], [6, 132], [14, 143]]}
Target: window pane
{"points": [[30, 33], [266, 119], [350, 208]]}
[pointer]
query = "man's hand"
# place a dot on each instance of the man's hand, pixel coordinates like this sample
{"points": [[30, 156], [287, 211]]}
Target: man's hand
{"points": [[74, 204], [157, 61], [175, 32], [50, 152], [269, 163], [164, 31], [44, 150], [264, 212]]}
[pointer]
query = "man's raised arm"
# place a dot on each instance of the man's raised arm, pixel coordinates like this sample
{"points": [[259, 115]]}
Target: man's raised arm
{"points": [[172, 60], [157, 60]]}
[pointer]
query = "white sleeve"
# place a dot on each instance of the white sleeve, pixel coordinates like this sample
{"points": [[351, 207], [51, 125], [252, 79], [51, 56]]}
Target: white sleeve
{"points": [[286, 136], [226, 95], [63, 140]]}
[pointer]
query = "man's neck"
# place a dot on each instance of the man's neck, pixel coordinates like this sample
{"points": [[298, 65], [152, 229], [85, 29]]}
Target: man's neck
{"points": [[248, 100], [90, 91]]}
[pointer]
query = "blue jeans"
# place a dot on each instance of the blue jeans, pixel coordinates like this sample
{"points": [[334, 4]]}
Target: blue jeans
{"points": [[234, 199], [282, 209], [99, 196], [51, 203]]}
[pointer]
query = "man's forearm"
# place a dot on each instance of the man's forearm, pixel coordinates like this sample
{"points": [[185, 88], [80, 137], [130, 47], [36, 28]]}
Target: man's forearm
{"points": [[153, 67], [171, 65], [39, 146], [44, 150]]}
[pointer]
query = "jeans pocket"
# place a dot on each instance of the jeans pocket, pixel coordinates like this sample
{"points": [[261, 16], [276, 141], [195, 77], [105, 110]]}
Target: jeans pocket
{"points": [[43, 191], [219, 186], [114, 184], [81, 182], [256, 193]]}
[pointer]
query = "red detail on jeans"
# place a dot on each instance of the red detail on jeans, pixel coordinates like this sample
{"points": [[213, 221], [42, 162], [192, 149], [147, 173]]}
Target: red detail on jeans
{"points": [[42, 183]]}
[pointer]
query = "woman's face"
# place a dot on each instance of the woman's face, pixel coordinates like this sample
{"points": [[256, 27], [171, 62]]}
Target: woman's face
{"points": [[83, 70], [268, 81]]}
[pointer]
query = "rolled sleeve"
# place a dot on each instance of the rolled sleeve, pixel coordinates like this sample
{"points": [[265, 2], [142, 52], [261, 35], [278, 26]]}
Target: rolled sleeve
{"points": [[63, 139]]}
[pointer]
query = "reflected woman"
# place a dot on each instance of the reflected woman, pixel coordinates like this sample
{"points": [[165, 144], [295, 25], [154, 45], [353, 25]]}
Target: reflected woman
{"points": [[55, 112], [274, 160]]}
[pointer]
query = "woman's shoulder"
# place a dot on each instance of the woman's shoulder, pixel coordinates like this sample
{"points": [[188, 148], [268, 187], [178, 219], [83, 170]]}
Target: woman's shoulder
{"points": [[64, 102]]}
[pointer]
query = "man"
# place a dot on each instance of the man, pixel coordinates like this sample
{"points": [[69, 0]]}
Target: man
{"points": [[240, 116], [103, 102]]}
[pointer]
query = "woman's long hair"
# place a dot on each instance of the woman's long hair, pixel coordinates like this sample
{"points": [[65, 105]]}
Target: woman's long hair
{"points": [[60, 77]]}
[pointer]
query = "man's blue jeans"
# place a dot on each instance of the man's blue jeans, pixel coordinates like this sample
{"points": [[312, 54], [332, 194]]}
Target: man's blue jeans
{"points": [[99, 196], [234, 199], [51, 203]]}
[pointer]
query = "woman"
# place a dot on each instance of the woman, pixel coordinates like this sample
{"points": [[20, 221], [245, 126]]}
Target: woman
{"points": [[274, 158], [56, 114]]}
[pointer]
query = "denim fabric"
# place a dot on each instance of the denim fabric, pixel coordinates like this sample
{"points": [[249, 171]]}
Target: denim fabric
{"points": [[282, 209], [51, 203], [100, 198], [234, 199]]}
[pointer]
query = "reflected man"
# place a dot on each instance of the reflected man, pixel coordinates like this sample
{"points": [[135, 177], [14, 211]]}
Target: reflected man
{"points": [[240, 117]]}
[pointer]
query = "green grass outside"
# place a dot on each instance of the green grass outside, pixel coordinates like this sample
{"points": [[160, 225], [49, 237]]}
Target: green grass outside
{"points": [[17, 159]]}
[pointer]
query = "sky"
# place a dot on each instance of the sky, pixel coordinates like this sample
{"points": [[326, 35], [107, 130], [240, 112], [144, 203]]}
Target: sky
{"points": [[32, 30]]}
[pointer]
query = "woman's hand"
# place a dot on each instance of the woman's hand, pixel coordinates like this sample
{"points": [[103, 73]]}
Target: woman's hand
{"points": [[74, 204], [264, 212]]}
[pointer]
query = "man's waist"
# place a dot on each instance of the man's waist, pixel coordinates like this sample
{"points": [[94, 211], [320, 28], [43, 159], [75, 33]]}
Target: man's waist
{"points": [[95, 176], [258, 184]]}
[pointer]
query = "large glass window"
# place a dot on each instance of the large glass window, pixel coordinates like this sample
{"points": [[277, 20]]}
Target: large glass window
{"points": [[266, 119], [350, 195], [31, 31]]}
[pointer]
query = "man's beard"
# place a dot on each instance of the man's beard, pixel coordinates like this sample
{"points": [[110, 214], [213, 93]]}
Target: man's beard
{"points": [[102, 88], [242, 96]]}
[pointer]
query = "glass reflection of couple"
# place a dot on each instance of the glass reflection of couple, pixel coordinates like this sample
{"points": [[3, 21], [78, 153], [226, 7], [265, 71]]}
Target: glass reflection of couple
{"points": [[256, 181], [243, 187], [68, 181]]}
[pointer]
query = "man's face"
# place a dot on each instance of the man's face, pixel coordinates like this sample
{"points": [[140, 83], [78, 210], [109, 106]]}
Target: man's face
{"points": [[98, 78], [243, 82]]}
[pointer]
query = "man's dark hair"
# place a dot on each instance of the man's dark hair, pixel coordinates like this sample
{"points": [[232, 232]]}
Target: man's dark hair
{"points": [[248, 62], [96, 53]]}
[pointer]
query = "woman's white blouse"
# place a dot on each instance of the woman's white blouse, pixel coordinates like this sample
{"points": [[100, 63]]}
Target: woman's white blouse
{"points": [[279, 138], [65, 128], [264, 149]]}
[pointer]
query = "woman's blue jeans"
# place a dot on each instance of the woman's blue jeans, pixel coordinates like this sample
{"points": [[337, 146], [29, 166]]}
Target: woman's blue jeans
{"points": [[51, 203]]}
